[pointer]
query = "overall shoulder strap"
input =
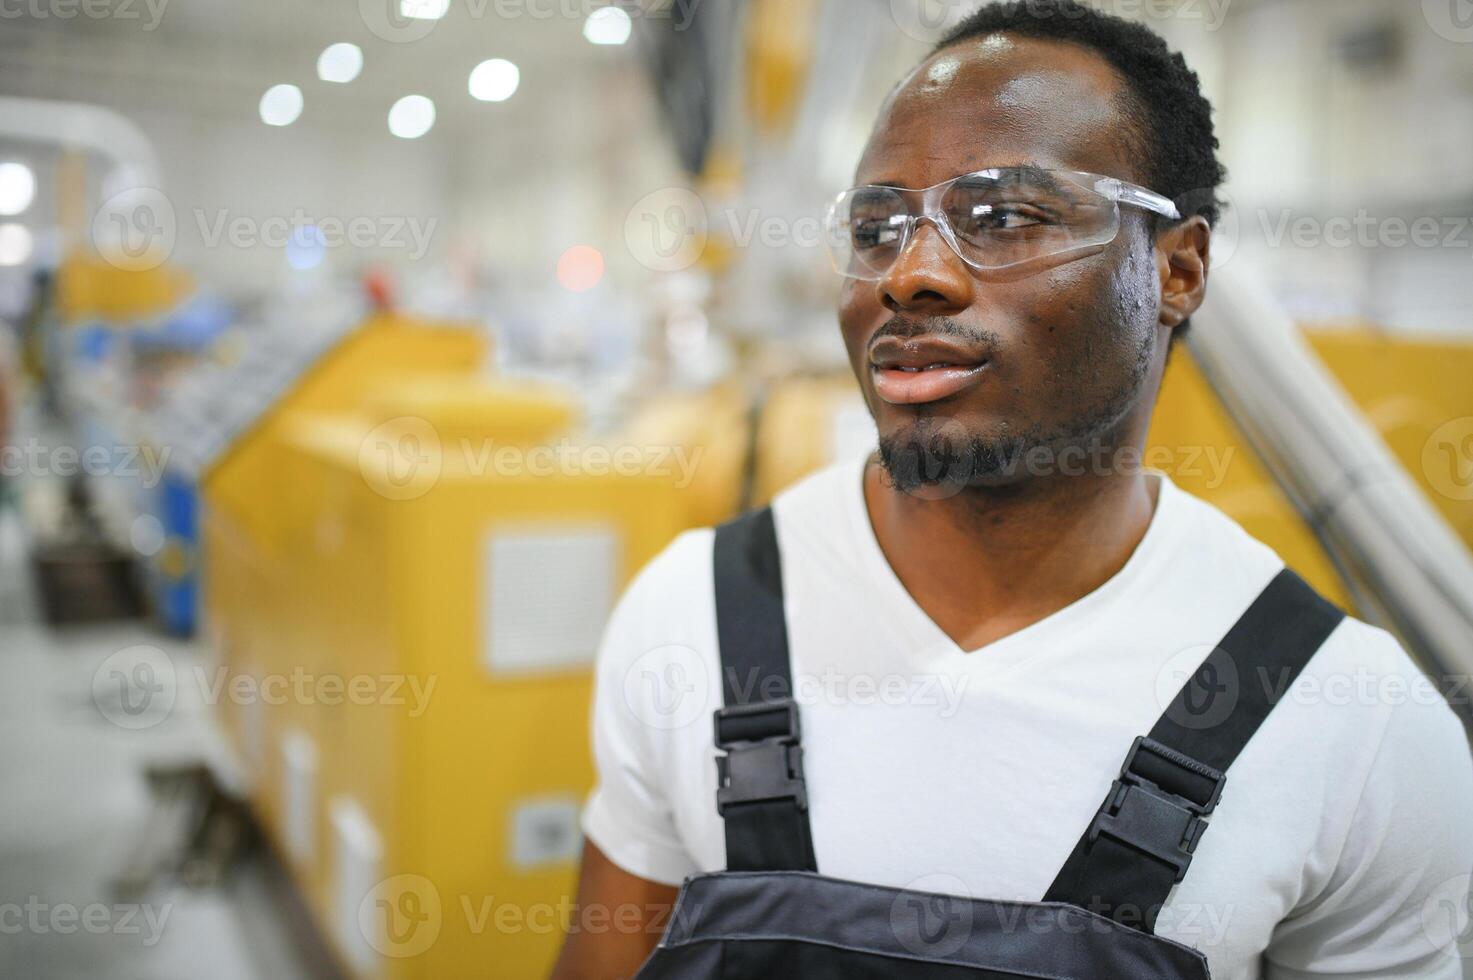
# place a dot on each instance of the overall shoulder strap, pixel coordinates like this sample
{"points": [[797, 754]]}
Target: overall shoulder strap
{"points": [[760, 789], [1140, 843]]}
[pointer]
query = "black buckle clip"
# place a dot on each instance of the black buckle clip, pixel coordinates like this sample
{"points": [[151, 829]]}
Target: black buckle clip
{"points": [[764, 760], [1140, 813]]}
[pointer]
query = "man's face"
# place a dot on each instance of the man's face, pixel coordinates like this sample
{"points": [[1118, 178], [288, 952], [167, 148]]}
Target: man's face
{"points": [[1066, 356]]}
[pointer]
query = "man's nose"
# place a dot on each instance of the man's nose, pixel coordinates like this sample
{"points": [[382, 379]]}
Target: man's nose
{"points": [[927, 275]]}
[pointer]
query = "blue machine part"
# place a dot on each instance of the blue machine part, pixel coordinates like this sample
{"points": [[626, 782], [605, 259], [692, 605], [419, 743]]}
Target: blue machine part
{"points": [[174, 568], [192, 327]]}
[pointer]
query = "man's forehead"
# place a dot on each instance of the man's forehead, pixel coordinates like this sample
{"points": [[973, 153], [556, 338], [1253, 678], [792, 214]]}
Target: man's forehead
{"points": [[998, 101]]}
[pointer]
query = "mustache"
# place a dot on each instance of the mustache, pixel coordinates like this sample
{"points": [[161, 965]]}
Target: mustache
{"points": [[903, 327]]}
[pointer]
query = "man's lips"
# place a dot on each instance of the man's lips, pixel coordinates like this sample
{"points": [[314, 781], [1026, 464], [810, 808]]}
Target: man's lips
{"points": [[919, 370]]}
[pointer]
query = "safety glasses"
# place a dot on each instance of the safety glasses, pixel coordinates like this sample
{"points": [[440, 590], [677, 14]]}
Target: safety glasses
{"points": [[1004, 222]]}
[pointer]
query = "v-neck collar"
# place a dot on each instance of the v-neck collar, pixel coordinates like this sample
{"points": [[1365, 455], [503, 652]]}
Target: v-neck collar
{"points": [[930, 643]]}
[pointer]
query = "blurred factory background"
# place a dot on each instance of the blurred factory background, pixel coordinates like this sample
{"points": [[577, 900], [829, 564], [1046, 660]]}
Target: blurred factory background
{"points": [[354, 355]]}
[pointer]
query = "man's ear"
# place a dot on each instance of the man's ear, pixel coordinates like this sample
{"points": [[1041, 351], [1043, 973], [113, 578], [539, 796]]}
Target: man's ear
{"points": [[1183, 254]]}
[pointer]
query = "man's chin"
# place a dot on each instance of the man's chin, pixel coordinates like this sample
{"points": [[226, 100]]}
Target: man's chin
{"points": [[940, 458]]}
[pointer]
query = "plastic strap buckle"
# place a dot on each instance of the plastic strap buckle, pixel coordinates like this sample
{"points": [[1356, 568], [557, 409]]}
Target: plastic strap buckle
{"points": [[763, 760], [1155, 821]]}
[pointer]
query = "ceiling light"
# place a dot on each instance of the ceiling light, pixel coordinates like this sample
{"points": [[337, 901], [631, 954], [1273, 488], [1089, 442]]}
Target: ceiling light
{"points": [[580, 268], [15, 244], [281, 105], [340, 62], [494, 80], [411, 117], [17, 187], [607, 25]]}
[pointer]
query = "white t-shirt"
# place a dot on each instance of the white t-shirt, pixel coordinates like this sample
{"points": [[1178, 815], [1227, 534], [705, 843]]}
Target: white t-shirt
{"points": [[1341, 845]]}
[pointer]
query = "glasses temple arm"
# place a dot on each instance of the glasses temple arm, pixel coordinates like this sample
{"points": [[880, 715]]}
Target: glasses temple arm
{"points": [[1119, 190]]}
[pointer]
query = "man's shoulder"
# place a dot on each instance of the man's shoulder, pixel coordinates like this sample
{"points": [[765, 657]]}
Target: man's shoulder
{"points": [[685, 564], [1354, 647], [681, 569], [671, 600]]}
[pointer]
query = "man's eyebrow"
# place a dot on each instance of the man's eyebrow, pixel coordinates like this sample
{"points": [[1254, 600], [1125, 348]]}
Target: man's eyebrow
{"points": [[1024, 172], [1031, 175]]}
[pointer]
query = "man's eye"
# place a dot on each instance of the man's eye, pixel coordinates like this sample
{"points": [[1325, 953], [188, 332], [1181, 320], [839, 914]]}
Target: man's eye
{"points": [[874, 232], [992, 217]]}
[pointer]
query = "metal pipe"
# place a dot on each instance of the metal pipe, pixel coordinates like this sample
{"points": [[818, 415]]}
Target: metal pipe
{"points": [[1405, 564]]}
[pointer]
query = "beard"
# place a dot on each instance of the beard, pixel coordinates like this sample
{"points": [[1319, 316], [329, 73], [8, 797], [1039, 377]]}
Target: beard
{"points": [[939, 456], [929, 454]]}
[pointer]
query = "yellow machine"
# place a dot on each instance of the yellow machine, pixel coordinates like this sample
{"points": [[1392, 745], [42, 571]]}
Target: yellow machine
{"points": [[707, 437], [88, 286], [1198, 446], [460, 572], [423, 560], [1418, 392], [246, 548], [806, 420]]}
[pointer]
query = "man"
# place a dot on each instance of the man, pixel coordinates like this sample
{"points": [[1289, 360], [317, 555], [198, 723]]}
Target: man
{"points": [[978, 631]]}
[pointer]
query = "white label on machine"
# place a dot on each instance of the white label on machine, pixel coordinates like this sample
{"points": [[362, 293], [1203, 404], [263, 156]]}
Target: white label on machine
{"points": [[357, 864], [544, 831], [299, 795], [545, 593], [851, 428]]}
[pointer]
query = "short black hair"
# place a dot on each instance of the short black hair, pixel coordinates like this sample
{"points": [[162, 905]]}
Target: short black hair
{"points": [[1171, 120]]}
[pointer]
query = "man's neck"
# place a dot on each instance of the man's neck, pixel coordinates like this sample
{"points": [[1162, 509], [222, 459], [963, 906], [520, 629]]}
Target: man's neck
{"points": [[984, 564]]}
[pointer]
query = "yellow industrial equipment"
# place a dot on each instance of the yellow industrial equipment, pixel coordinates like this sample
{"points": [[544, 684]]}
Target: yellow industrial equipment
{"points": [[1193, 441], [459, 572], [711, 432], [246, 508], [90, 287], [1418, 392], [806, 422]]}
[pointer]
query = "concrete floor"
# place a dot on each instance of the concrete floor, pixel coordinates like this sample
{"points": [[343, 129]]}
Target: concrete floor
{"points": [[73, 803]]}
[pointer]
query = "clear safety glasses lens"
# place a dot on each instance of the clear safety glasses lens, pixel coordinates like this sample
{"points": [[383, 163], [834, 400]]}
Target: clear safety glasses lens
{"points": [[995, 220]]}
